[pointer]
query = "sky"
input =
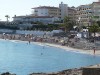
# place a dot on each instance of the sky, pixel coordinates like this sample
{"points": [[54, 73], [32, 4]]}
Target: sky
{"points": [[23, 7]]}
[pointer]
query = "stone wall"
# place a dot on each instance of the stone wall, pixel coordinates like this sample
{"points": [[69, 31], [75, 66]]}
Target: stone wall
{"points": [[91, 71]]}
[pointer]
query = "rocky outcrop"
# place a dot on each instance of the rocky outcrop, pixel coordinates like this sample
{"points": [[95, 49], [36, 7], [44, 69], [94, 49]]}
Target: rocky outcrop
{"points": [[65, 72], [7, 73]]}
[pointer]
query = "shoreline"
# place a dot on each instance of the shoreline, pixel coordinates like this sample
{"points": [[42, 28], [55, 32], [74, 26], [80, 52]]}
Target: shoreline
{"points": [[53, 41], [77, 71], [66, 48]]}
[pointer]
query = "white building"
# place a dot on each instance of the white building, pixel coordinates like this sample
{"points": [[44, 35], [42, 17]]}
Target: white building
{"points": [[63, 10], [31, 19], [40, 11], [46, 11], [59, 12]]}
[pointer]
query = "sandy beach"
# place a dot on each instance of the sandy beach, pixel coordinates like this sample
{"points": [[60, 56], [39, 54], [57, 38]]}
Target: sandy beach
{"points": [[19, 38], [66, 48], [91, 52]]}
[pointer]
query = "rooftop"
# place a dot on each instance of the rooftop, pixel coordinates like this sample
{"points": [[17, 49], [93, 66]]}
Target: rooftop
{"points": [[96, 3], [33, 17], [46, 7]]}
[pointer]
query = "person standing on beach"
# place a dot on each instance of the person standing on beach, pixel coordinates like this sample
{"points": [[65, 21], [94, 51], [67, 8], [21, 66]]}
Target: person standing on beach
{"points": [[29, 41], [94, 49]]}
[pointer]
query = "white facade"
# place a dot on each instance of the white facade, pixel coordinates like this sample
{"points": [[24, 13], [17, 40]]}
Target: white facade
{"points": [[41, 12], [59, 12], [29, 19], [46, 11], [63, 10]]}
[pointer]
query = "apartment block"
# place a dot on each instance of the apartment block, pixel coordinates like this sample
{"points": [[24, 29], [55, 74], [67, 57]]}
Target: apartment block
{"points": [[83, 14], [96, 10], [86, 14], [72, 13]]}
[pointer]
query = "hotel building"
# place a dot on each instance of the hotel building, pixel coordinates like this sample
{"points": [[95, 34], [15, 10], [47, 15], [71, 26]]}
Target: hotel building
{"points": [[96, 10], [46, 11], [45, 14], [63, 10], [72, 13], [30, 19], [87, 13], [59, 12], [83, 14]]}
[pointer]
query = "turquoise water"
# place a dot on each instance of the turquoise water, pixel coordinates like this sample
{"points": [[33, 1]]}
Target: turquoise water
{"points": [[23, 58]]}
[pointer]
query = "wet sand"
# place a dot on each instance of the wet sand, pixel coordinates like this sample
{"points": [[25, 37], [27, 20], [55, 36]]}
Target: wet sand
{"points": [[97, 52]]}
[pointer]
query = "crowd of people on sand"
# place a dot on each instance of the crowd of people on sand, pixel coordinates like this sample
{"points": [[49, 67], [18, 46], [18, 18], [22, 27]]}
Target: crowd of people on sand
{"points": [[74, 42], [32, 38]]}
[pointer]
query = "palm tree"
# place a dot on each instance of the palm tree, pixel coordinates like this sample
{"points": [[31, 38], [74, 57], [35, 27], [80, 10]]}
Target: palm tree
{"points": [[94, 28], [7, 16]]}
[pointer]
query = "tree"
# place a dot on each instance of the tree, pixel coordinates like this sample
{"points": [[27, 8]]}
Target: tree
{"points": [[98, 22], [68, 24], [94, 28], [7, 16]]}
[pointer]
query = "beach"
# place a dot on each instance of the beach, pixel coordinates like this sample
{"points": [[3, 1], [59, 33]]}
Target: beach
{"points": [[69, 48], [42, 42], [49, 42]]}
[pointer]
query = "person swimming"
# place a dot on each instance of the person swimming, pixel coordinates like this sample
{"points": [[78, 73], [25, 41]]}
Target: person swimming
{"points": [[41, 53], [43, 47]]}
